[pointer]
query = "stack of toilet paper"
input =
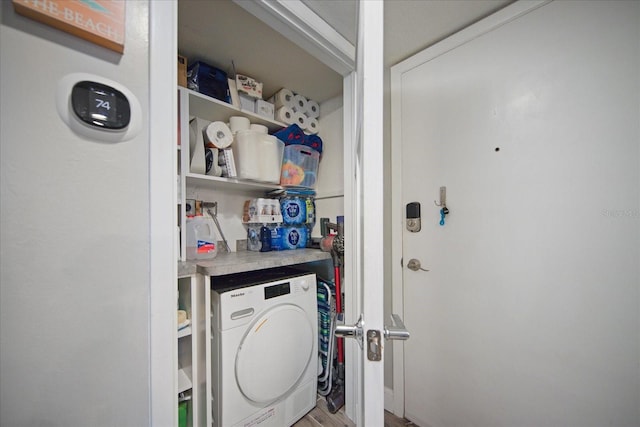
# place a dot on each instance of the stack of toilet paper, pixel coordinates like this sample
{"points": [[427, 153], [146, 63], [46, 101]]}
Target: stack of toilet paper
{"points": [[295, 108]]}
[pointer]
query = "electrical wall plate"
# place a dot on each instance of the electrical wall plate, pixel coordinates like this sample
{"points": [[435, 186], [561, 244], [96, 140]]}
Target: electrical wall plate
{"points": [[97, 108]]}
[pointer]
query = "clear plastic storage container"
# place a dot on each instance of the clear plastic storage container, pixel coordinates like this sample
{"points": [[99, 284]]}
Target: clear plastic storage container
{"points": [[299, 166]]}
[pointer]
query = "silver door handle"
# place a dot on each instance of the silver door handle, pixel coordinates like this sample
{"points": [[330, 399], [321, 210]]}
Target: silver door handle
{"points": [[397, 331], [374, 348], [349, 331]]}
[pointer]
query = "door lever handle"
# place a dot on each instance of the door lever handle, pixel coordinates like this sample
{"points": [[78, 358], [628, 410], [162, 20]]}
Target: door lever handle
{"points": [[397, 331]]}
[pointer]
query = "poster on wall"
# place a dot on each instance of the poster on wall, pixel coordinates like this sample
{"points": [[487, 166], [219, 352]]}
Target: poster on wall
{"points": [[100, 21]]}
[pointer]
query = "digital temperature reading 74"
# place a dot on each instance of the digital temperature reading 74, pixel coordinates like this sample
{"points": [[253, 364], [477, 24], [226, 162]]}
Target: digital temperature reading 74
{"points": [[104, 105]]}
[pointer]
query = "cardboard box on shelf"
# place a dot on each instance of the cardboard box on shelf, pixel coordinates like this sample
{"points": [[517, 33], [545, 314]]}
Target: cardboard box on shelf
{"points": [[182, 71]]}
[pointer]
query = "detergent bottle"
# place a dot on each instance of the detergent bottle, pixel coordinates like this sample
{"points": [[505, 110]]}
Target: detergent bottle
{"points": [[202, 242]]}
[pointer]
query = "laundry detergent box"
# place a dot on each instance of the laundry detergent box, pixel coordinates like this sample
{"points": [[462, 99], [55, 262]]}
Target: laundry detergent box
{"points": [[288, 237]]}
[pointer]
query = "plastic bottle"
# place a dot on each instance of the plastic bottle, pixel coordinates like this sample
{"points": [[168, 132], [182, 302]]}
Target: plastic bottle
{"points": [[202, 242]]}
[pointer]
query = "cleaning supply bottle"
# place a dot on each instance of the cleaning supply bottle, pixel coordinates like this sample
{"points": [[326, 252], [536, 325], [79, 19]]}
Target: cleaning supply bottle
{"points": [[202, 242]]}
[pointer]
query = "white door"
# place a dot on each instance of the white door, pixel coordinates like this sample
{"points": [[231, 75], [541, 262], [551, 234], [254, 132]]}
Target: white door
{"points": [[363, 201], [529, 313]]}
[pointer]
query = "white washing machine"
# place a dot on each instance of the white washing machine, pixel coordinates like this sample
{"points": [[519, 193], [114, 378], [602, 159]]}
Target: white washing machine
{"points": [[264, 327]]}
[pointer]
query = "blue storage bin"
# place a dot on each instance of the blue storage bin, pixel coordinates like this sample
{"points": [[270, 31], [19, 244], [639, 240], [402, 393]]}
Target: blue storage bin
{"points": [[208, 80]]}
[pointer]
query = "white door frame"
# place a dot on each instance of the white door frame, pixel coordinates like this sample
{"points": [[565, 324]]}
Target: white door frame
{"points": [[370, 201], [486, 25], [163, 48], [362, 193]]}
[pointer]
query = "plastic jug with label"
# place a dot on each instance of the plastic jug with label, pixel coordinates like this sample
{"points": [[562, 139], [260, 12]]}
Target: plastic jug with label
{"points": [[202, 242]]}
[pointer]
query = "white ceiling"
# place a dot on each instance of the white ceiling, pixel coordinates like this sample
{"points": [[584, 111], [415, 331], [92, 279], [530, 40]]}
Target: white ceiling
{"points": [[219, 31], [409, 25]]}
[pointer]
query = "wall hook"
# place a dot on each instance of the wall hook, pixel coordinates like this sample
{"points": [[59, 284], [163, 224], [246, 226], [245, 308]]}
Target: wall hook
{"points": [[443, 204], [443, 197]]}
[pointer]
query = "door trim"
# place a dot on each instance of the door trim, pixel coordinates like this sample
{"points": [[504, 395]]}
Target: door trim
{"points": [[352, 307], [502, 17], [163, 36]]}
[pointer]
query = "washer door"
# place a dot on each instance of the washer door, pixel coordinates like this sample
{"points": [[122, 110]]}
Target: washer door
{"points": [[274, 353]]}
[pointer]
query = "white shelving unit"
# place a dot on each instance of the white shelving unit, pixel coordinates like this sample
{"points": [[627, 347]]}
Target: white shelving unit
{"points": [[191, 369], [194, 104]]}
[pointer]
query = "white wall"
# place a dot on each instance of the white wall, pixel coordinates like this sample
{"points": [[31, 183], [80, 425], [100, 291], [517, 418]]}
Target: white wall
{"points": [[330, 188], [74, 247]]}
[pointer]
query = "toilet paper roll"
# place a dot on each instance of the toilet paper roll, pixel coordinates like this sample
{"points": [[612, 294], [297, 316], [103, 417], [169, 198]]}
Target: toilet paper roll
{"points": [[313, 109], [219, 134], [313, 125], [299, 104], [285, 115], [301, 120], [238, 123], [282, 98]]}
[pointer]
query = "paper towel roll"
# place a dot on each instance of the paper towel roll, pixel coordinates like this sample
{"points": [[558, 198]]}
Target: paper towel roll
{"points": [[285, 115], [299, 104], [313, 125], [282, 98], [219, 134], [301, 120], [313, 109]]}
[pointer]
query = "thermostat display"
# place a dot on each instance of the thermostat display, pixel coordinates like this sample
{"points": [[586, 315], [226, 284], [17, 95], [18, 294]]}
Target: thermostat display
{"points": [[100, 105], [98, 109]]}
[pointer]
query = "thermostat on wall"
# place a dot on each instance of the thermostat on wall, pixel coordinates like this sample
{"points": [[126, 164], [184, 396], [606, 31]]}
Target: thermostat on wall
{"points": [[98, 108]]}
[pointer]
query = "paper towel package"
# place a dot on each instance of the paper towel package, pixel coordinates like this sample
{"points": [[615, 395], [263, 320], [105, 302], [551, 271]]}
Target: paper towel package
{"points": [[264, 109]]}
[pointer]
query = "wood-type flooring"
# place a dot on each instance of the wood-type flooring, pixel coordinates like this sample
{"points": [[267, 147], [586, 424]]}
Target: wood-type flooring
{"points": [[321, 417]]}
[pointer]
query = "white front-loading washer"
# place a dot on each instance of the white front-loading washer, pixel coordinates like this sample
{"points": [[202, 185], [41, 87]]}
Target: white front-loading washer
{"points": [[263, 347]]}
